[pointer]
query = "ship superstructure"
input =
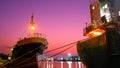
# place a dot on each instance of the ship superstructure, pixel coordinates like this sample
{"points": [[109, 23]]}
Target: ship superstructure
{"points": [[102, 47], [26, 51]]}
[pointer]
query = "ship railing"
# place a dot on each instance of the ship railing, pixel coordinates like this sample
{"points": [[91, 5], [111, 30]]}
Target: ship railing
{"points": [[91, 27], [99, 24], [41, 35], [87, 29], [35, 35]]}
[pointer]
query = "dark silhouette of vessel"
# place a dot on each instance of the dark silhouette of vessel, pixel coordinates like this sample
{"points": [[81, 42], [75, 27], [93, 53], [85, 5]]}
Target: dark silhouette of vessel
{"points": [[25, 53], [102, 47]]}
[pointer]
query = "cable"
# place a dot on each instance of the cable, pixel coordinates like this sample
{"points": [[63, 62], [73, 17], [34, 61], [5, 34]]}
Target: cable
{"points": [[48, 57], [26, 53], [20, 56], [61, 47], [26, 65], [25, 60], [45, 53], [61, 51], [50, 51]]}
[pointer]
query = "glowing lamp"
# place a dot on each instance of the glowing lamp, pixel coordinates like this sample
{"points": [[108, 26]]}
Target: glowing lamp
{"points": [[69, 54], [97, 33], [119, 13], [11, 49], [93, 7], [32, 28], [106, 6], [9, 58]]}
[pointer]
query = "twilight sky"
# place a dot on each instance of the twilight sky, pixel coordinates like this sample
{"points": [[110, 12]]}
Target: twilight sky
{"points": [[61, 20]]}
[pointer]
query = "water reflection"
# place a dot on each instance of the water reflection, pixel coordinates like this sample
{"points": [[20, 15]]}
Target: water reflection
{"points": [[61, 64], [69, 64]]}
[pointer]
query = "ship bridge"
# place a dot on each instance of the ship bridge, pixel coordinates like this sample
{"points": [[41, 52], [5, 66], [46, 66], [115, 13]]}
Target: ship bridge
{"points": [[33, 37]]}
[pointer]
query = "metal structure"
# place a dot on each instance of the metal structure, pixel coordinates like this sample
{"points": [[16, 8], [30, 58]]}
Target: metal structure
{"points": [[102, 48]]}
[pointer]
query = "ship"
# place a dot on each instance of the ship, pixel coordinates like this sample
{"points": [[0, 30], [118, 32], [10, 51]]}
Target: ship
{"points": [[101, 48], [28, 51]]}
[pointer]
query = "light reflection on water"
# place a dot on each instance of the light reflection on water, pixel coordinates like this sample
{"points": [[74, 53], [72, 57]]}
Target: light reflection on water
{"points": [[61, 64], [69, 64]]}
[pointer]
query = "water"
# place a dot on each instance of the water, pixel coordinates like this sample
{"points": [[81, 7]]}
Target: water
{"points": [[60, 64]]}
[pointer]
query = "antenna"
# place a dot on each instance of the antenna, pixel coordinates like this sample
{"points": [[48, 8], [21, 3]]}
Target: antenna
{"points": [[32, 26]]}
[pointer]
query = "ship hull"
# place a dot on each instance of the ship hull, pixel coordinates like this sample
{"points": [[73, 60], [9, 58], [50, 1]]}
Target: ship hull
{"points": [[102, 51], [25, 53], [25, 56]]}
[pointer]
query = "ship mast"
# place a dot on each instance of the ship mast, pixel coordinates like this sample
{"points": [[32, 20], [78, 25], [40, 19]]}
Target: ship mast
{"points": [[32, 27]]}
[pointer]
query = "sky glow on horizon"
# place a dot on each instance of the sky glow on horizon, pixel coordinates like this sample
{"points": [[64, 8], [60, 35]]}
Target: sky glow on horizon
{"points": [[62, 21]]}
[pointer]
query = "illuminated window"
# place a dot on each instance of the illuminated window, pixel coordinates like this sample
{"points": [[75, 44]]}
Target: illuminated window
{"points": [[9, 58], [93, 7], [105, 6], [119, 13]]}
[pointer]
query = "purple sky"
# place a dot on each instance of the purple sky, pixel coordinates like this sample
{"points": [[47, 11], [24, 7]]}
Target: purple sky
{"points": [[61, 20]]}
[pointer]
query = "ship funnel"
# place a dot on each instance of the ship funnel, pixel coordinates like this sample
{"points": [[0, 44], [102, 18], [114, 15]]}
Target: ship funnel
{"points": [[95, 13]]}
